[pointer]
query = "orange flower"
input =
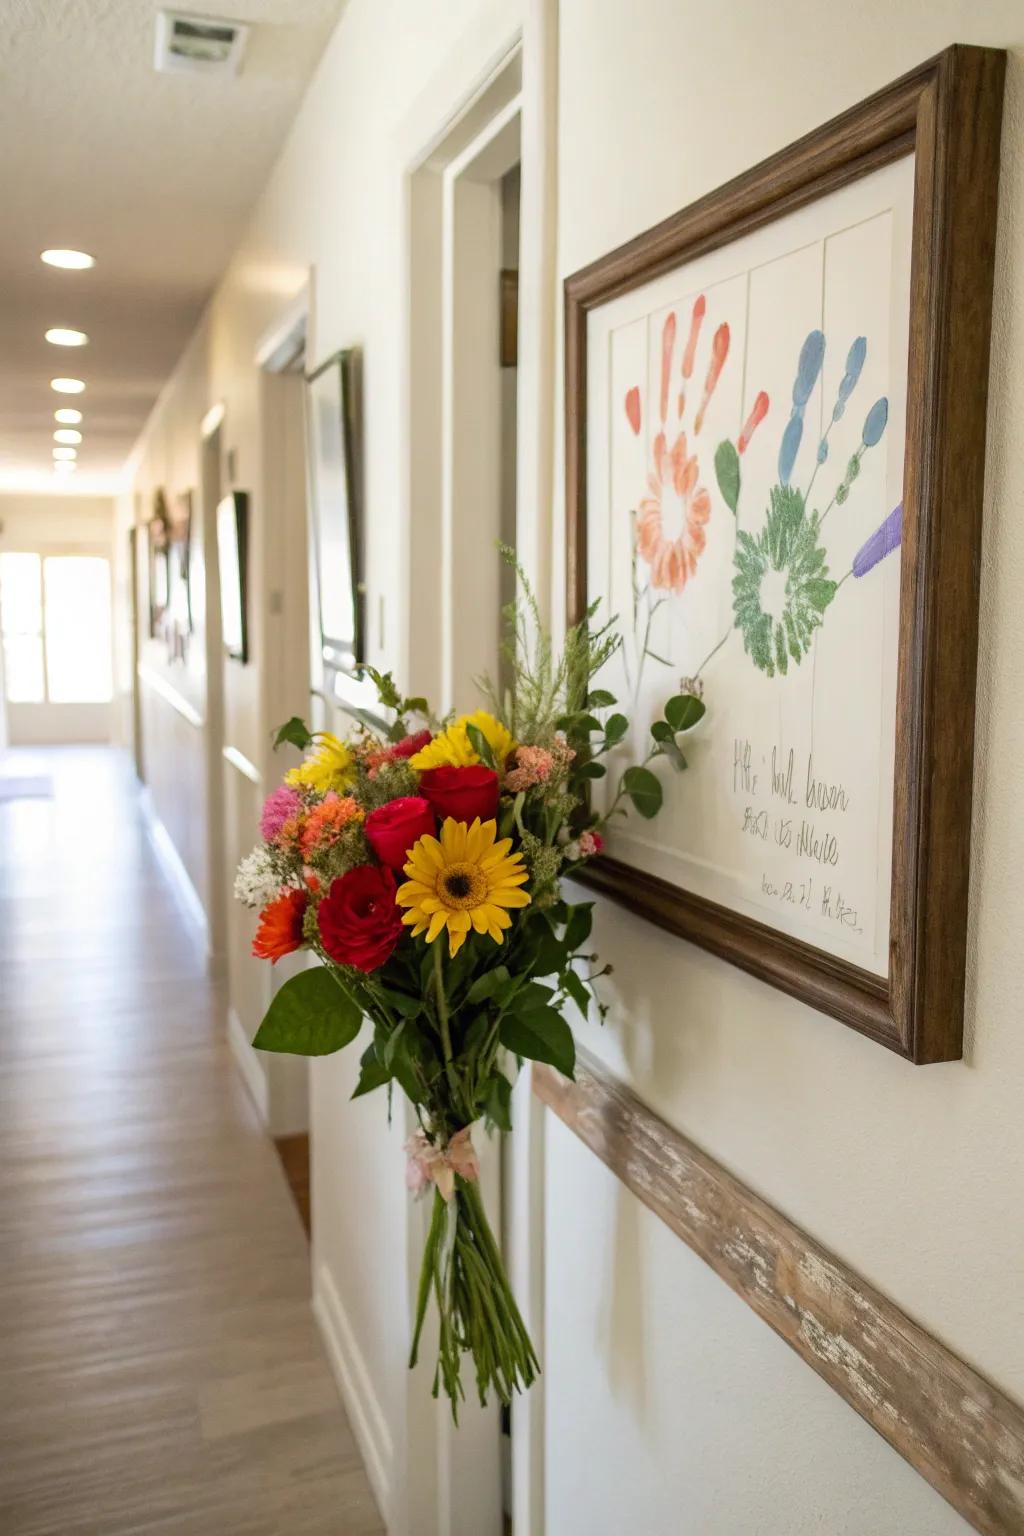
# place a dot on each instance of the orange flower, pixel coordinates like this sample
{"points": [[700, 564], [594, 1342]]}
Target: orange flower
{"points": [[672, 557], [326, 822], [280, 929], [290, 834]]}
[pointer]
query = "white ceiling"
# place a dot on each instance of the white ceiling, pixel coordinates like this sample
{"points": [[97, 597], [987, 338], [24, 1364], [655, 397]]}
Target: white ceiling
{"points": [[153, 174]]}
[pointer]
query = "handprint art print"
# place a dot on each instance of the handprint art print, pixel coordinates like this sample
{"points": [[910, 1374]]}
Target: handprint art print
{"points": [[736, 495]]}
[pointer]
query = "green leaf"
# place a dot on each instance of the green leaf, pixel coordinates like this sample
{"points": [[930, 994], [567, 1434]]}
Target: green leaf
{"points": [[684, 711], [371, 1074], [481, 746], [385, 684], [577, 930], [309, 1016], [498, 1101], [488, 985], [542, 1035], [572, 984], [392, 1045], [662, 731], [404, 1055], [579, 724], [550, 956], [294, 733], [644, 790], [727, 473], [408, 1007], [591, 771], [600, 699], [615, 727], [531, 995]]}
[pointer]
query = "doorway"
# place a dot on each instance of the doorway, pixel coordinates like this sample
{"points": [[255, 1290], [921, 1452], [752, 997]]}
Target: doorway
{"points": [[463, 490]]}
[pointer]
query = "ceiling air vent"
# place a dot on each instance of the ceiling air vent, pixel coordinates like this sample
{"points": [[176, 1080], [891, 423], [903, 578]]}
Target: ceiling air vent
{"points": [[199, 45]]}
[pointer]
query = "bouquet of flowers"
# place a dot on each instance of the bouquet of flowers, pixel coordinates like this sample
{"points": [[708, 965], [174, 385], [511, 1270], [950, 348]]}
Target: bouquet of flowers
{"points": [[421, 864]]}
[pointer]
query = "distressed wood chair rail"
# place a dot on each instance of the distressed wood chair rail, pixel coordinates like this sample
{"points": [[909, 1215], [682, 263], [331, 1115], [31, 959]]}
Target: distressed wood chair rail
{"points": [[955, 1428]]}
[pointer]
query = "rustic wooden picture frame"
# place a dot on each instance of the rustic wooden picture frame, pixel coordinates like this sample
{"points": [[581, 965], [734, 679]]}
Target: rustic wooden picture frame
{"points": [[947, 113]]}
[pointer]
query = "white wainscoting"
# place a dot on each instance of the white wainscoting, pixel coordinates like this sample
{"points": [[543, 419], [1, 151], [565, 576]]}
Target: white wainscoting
{"points": [[366, 1416]]}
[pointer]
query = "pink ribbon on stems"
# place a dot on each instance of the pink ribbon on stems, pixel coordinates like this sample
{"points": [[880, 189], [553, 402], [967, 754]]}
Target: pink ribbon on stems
{"points": [[429, 1163]]}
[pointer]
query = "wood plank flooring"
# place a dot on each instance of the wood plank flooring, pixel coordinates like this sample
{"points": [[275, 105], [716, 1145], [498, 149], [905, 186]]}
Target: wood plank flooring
{"points": [[160, 1368]]}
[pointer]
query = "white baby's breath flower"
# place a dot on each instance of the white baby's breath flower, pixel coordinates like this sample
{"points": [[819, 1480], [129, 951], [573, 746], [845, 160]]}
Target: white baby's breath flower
{"points": [[256, 881]]}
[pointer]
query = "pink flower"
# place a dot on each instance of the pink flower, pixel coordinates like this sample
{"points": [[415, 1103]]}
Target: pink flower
{"points": [[533, 766], [591, 843], [279, 806]]}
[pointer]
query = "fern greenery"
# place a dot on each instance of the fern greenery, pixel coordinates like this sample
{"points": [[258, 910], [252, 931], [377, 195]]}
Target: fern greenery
{"points": [[546, 686]]}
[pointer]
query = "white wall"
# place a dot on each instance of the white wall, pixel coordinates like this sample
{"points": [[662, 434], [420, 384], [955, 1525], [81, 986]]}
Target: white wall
{"points": [[668, 1408]]}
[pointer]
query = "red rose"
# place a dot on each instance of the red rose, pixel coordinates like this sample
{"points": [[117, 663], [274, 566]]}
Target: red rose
{"points": [[359, 921], [407, 747], [392, 829], [410, 745], [462, 793]]}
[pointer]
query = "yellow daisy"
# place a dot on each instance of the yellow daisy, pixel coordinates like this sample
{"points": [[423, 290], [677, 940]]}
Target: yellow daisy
{"points": [[454, 749], [330, 767], [465, 881]]}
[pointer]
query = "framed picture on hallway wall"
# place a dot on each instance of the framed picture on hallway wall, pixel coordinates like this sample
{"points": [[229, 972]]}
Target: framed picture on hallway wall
{"points": [[335, 492], [775, 410], [233, 562]]}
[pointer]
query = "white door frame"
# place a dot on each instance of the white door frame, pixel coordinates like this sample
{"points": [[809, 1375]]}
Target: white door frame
{"points": [[439, 1491]]}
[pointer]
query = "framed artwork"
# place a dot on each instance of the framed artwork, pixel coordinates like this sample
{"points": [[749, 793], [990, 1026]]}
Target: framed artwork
{"points": [[232, 558], [159, 566], [182, 541], [178, 619], [775, 452], [333, 427]]}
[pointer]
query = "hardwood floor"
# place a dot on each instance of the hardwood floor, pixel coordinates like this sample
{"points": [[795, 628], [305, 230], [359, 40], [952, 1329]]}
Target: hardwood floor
{"points": [[160, 1368]]}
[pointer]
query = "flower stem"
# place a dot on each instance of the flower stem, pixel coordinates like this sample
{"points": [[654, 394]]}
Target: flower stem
{"points": [[711, 653], [477, 1312], [443, 1022]]}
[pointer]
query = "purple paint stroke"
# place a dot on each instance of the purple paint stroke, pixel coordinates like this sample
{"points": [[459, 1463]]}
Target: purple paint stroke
{"points": [[882, 542]]}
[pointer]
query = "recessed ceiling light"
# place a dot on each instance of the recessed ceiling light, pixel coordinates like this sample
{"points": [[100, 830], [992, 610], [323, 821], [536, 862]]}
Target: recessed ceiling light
{"points": [[67, 435], [59, 337], [65, 453], [74, 260], [68, 415], [67, 386]]}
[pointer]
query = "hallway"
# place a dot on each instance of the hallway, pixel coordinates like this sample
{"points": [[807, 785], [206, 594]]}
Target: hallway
{"points": [[162, 1368]]}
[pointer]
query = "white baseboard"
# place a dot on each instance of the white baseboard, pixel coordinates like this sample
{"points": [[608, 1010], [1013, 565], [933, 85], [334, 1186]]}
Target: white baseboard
{"points": [[361, 1403], [245, 1058], [174, 869]]}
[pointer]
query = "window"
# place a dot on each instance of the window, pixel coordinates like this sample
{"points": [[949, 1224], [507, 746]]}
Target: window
{"points": [[55, 620]]}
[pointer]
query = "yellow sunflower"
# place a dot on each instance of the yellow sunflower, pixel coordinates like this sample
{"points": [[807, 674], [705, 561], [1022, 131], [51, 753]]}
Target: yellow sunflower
{"points": [[330, 767], [465, 881], [453, 748]]}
